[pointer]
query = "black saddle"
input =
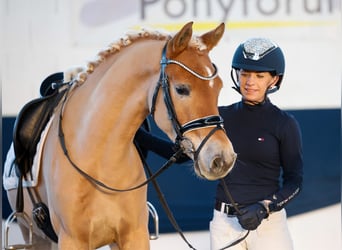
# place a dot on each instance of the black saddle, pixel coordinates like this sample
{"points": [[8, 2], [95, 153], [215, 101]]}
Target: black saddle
{"points": [[28, 127], [32, 120]]}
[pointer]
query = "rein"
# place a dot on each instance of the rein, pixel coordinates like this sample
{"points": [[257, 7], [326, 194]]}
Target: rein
{"points": [[96, 182], [209, 121], [231, 200], [214, 121]]}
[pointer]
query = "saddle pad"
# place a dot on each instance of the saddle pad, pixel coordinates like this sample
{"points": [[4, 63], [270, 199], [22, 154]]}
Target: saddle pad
{"points": [[10, 178]]}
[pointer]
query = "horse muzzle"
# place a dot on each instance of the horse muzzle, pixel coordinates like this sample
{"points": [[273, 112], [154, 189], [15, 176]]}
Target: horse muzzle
{"points": [[214, 157], [215, 164]]}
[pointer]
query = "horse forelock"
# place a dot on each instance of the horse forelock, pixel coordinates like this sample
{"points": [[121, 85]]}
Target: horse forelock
{"points": [[197, 42]]}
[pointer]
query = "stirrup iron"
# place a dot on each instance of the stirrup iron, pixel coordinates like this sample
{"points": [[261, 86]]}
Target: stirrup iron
{"points": [[155, 217], [10, 220]]}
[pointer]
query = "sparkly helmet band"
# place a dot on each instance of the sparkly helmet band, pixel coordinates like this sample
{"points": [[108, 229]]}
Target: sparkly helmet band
{"points": [[255, 49]]}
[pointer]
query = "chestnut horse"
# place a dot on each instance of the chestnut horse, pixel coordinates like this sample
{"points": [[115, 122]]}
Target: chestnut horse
{"points": [[146, 72]]}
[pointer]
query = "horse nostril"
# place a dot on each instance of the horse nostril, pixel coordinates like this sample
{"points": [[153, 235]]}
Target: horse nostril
{"points": [[217, 164]]}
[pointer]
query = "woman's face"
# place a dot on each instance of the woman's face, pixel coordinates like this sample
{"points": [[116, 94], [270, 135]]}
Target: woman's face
{"points": [[253, 85]]}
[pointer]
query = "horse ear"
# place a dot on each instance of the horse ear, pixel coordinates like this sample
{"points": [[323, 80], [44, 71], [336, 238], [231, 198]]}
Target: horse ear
{"points": [[211, 38], [180, 41]]}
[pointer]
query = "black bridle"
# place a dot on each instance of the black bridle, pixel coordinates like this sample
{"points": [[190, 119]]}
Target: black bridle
{"points": [[214, 121], [208, 121]]}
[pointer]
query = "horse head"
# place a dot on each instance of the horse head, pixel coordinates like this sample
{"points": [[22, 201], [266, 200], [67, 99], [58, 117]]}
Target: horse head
{"points": [[191, 86]]}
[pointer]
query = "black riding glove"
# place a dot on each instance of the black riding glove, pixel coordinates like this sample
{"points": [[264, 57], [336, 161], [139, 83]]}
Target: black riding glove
{"points": [[251, 216]]}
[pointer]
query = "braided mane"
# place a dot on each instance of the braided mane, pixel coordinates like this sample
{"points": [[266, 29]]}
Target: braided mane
{"points": [[128, 39]]}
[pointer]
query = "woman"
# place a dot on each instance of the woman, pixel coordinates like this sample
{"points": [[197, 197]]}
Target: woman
{"points": [[269, 168], [268, 143]]}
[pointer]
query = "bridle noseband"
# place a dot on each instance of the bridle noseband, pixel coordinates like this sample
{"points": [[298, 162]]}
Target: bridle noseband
{"points": [[215, 121]]}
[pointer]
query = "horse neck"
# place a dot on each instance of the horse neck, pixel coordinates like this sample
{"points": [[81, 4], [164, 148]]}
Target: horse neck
{"points": [[113, 101]]}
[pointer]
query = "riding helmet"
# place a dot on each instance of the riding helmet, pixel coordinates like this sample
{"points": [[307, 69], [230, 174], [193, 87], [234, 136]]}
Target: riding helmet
{"points": [[260, 54]]}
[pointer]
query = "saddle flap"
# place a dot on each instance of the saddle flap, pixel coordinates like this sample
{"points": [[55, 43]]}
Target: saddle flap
{"points": [[28, 127]]}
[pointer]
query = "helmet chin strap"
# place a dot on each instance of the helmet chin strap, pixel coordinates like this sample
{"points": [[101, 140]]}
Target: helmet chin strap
{"points": [[272, 89], [236, 86]]}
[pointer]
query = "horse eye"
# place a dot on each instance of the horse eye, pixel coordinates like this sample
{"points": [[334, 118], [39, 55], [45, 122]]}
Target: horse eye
{"points": [[183, 90]]}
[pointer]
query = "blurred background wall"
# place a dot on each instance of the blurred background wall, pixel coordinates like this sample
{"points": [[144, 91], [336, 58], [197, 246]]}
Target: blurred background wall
{"points": [[42, 37]]}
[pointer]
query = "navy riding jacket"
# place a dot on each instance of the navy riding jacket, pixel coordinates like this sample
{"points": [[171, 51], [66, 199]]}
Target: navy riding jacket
{"points": [[269, 162]]}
